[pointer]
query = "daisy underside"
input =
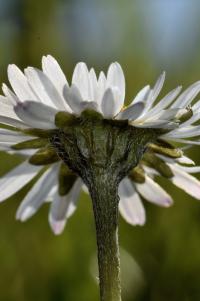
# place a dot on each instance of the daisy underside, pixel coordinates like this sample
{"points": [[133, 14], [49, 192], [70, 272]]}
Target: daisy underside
{"points": [[79, 136]]}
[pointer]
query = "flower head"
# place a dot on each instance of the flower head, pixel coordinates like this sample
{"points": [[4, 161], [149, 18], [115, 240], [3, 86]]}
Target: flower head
{"points": [[32, 113]]}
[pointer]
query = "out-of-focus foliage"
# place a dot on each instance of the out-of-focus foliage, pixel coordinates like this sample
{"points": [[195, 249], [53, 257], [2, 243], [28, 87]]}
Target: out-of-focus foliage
{"points": [[145, 37]]}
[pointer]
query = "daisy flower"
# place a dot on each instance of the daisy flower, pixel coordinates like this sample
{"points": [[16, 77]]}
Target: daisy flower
{"points": [[33, 111]]}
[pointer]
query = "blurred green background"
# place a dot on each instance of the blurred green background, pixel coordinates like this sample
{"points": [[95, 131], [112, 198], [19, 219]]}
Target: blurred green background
{"points": [[161, 261]]}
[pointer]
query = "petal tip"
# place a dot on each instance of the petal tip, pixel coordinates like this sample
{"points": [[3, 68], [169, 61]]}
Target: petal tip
{"points": [[57, 226], [25, 214]]}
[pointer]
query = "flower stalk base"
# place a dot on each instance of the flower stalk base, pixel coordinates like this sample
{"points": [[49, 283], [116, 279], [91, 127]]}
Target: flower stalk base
{"points": [[102, 152], [103, 191]]}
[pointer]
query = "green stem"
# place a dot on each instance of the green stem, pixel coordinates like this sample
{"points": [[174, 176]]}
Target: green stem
{"points": [[105, 206], [102, 152]]}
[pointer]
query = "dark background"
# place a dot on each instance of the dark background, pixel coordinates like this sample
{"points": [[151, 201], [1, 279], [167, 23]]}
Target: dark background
{"points": [[161, 261]]}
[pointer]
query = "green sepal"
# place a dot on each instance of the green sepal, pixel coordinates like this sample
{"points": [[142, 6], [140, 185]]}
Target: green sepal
{"points": [[158, 164], [31, 144], [187, 115], [39, 132], [9, 127], [165, 148], [44, 156], [66, 179], [137, 175], [91, 114], [64, 119]]}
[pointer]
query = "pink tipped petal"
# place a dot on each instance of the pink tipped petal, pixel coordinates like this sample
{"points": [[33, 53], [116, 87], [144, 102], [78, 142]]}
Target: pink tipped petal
{"points": [[57, 226], [63, 207]]}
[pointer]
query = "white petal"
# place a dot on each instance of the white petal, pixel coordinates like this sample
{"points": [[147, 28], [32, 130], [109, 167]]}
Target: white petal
{"points": [[24, 152], [115, 79], [12, 98], [8, 111], [36, 114], [43, 88], [164, 102], [20, 84], [187, 96], [132, 112], [153, 193], [85, 189], [168, 114], [5, 101], [164, 124], [191, 142], [130, 205], [154, 92], [12, 137], [37, 194], [158, 86], [5, 147], [185, 181], [185, 160], [16, 179], [101, 87], [73, 98], [187, 169], [150, 171], [12, 122], [63, 207], [93, 86], [181, 160], [80, 79], [184, 132], [52, 69], [142, 95], [108, 104], [196, 106], [117, 98]]}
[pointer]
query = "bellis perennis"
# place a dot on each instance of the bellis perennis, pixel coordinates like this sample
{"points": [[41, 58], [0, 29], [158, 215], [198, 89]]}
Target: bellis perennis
{"points": [[28, 113]]}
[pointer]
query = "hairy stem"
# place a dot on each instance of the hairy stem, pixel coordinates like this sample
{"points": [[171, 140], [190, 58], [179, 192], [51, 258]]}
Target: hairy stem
{"points": [[102, 152], [105, 206]]}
